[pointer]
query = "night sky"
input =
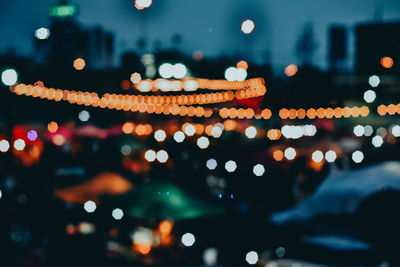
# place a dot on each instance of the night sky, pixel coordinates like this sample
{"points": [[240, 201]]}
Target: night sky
{"points": [[212, 26]]}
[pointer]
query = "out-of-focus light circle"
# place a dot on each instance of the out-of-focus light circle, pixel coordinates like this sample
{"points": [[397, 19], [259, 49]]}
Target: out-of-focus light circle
{"points": [[84, 115], [179, 136], [19, 144], [387, 62], [150, 155], [4, 145], [160, 135], [9, 77], [231, 74], [290, 153], [203, 142], [377, 141], [357, 156], [190, 85], [162, 156], [90, 206], [32, 135], [1, 194], [258, 170], [166, 70], [381, 131], [135, 78], [374, 81], [369, 96], [190, 130], [330, 156], [317, 156], [211, 164], [79, 64], [291, 70], [251, 132], [358, 130], [210, 256], [126, 150], [242, 65], [188, 239], [252, 257], [248, 26], [241, 74], [280, 252], [216, 131], [142, 4], [179, 71], [128, 127], [144, 86], [117, 214], [42, 33], [368, 130], [396, 131], [197, 55], [230, 166], [52, 127], [58, 140]]}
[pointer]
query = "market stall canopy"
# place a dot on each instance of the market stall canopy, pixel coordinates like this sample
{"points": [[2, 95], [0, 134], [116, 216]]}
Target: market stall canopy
{"points": [[343, 192]]}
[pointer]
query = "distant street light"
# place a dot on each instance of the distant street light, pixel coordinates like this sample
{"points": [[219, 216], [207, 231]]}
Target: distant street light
{"points": [[248, 26]]}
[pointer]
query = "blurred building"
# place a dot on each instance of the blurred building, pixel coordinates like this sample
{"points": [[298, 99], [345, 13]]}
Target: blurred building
{"points": [[375, 41], [68, 40], [337, 48]]}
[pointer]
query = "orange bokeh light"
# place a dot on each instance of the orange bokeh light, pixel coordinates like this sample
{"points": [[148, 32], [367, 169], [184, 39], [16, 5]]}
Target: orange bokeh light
{"points": [[387, 62], [165, 227], [52, 127], [291, 70], [242, 65], [128, 127], [79, 64], [274, 134], [278, 155]]}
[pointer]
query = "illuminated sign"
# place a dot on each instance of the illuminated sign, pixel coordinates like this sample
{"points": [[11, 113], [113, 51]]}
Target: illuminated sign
{"points": [[62, 11]]}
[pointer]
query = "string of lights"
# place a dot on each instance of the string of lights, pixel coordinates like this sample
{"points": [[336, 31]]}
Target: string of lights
{"points": [[191, 85]]}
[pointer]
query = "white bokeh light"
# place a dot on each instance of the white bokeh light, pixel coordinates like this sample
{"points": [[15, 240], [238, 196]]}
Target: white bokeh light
{"points": [[216, 131], [251, 132], [377, 141], [374, 81], [290, 153], [84, 116], [252, 257], [160, 135], [258, 170], [317, 156], [42, 33], [368, 130], [230, 74], [357, 156], [211, 164], [166, 70], [230, 166], [396, 131], [188, 239], [247, 26], [179, 71], [330, 156], [190, 130], [150, 155], [19, 144], [369, 96], [117, 214], [203, 142], [162, 156], [358, 130], [9, 77], [4, 146], [179, 136], [90, 206]]}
